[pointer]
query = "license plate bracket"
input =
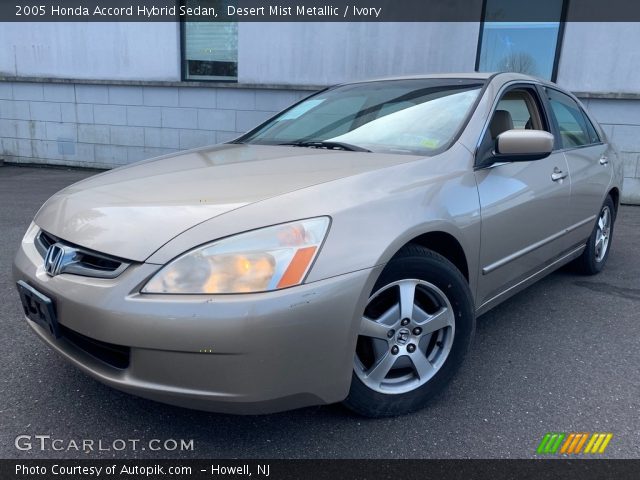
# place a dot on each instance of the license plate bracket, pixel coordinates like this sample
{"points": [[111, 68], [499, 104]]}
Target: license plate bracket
{"points": [[39, 308]]}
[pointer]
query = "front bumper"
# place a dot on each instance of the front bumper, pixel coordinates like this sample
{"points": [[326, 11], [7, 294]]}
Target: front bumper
{"points": [[248, 353]]}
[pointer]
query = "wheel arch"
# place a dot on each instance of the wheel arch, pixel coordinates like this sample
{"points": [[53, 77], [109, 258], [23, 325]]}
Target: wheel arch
{"points": [[614, 193], [445, 244]]}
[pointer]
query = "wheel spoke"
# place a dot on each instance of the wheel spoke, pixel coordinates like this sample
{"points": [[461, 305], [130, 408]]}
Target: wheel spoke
{"points": [[441, 319], [423, 367], [379, 371], [407, 295], [391, 316], [599, 238], [601, 223], [371, 328], [419, 315]]}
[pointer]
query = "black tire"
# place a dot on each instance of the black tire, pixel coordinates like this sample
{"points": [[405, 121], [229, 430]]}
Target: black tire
{"points": [[416, 262], [588, 263]]}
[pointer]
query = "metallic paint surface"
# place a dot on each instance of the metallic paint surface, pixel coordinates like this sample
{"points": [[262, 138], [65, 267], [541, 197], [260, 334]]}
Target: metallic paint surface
{"points": [[511, 217]]}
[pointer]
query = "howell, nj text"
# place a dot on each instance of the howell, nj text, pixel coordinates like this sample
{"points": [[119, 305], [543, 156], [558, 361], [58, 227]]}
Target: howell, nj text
{"points": [[263, 470]]}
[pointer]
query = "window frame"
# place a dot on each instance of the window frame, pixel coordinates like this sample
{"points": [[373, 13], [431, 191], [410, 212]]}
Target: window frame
{"points": [[531, 100], [554, 122], [184, 66], [591, 124], [556, 54], [483, 84], [483, 147]]}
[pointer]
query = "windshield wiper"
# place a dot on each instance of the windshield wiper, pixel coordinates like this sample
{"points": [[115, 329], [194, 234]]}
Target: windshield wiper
{"points": [[329, 145]]}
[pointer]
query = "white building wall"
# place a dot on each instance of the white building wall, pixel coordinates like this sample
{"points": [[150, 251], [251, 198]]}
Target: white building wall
{"points": [[603, 58], [99, 51], [105, 126], [314, 53], [268, 53], [133, 117], [600, 57]]}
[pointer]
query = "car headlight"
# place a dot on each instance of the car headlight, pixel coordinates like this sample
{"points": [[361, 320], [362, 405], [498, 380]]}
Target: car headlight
{"points": [[258, 261]]}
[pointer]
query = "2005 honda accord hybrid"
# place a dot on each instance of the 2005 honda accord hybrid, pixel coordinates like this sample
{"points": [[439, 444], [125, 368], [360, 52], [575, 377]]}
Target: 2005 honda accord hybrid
{"points": [[341, 251]]}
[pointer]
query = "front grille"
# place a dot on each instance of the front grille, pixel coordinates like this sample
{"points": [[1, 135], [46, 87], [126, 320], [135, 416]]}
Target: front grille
{"points": [[44, 241], [82, 261], [113, 355]]}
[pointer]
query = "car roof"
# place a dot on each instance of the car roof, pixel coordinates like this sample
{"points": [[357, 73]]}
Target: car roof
{"points": [[482, 76]]}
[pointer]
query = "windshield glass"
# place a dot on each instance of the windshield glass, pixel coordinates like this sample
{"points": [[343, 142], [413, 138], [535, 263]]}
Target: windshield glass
{"points": [[416, 116]]}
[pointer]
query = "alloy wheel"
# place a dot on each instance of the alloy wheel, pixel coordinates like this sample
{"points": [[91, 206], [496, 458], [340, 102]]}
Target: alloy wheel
{"points": [[603, 234], [405, 336]]}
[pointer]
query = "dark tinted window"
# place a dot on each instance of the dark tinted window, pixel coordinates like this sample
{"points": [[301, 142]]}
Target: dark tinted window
{"points": [[570, 120]]}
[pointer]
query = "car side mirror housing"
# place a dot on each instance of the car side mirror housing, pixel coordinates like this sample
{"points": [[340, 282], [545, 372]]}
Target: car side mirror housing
{"points": [[522, 145]]}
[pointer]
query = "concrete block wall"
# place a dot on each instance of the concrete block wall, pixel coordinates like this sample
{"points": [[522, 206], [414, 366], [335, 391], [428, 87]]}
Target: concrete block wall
{"points": [[620, 119], [105, 126]]}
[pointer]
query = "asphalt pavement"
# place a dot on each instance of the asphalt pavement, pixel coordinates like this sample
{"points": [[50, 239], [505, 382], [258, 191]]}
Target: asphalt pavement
{"points": [[562, 356]]}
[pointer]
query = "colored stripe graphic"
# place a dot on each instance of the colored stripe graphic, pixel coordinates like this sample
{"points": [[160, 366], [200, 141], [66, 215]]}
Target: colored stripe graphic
{"points": [[557, 443], [543, 443], [568, 442], [604, 445], [598, 443], [572, 443], [581, 443], [550, 443]]}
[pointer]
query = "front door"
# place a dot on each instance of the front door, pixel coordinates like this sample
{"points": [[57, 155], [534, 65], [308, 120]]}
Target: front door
{"points": [[524, 205]]}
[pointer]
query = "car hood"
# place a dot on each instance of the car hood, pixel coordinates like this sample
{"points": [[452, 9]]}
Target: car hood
{"points": [[132, 211]]}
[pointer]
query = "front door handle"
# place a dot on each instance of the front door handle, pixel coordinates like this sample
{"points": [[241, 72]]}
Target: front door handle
{"points": [[558, 174], [604, 160]]}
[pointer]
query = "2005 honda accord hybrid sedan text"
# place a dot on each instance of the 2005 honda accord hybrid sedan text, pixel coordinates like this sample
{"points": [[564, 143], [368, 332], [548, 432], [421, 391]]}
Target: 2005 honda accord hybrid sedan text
{"points": [[341, 251]]}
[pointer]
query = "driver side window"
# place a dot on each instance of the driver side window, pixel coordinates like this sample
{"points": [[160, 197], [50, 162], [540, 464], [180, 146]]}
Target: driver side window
{"points": [[517, 109]]}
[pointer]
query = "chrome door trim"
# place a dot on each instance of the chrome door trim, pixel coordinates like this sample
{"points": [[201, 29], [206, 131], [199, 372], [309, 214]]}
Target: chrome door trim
{"points": [[531, 278], [514, 256]]}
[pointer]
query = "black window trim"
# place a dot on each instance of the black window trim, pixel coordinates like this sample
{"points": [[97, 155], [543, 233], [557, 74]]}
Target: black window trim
{"points": [[538, 99], [593, 124], [559, 39], [556, 127]]}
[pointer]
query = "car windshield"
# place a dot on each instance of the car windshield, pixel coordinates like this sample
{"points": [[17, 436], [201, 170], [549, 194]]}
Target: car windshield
{"points": [[414, 116]]}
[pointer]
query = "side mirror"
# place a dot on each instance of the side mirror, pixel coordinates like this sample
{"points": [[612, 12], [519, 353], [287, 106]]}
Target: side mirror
{"points": [[522, 145]]}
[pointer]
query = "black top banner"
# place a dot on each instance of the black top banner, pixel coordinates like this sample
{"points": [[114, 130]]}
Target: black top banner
{"points": [[319, 11]]}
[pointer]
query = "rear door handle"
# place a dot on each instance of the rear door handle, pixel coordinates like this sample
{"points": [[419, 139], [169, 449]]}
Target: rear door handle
{"points": [[604, 160], [558, 174]]}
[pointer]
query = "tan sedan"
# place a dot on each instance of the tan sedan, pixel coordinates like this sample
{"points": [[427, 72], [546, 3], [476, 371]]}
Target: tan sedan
{"points": [[341, 251]]}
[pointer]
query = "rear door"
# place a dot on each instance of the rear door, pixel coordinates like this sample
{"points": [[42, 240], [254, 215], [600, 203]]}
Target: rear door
{"points": [[524, 205], [589, 168]]}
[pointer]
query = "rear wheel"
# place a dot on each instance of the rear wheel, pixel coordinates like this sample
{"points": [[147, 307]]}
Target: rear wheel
{"points": [[414, 334], [596, 253]]}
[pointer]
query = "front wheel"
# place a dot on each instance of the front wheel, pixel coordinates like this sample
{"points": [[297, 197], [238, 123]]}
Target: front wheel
{"points": [[414, 334]]}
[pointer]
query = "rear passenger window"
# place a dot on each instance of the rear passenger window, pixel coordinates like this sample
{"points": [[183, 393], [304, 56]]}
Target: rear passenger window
{"points": [[574, 131]]}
